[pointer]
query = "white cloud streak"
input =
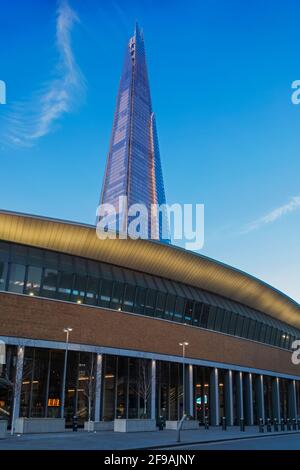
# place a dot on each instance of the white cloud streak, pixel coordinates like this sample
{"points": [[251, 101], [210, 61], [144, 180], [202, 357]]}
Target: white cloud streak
{"points": [[30, 120], [291, 206]]}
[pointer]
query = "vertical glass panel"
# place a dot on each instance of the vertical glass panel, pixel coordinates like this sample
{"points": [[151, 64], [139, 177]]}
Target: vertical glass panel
{"points": [[197, 313], [3, 274], [65, 285], [71, 386], [188, 311], [122, 379], [170, 307], [232, 324], [204, 316], [39, 383], [212, 317], [117, 295], [16, 278], [86, 387], [79, 288], [140, 301], [246, 325], [251, 329], [92, 291], [134, 390], [226, 321], [105, 293], [179, 309], [160, 304], [109, 388], [49, 283], [33, 282], [150, 302], [26, 383], [129, 297], [55, 383], [219, 319], [239, 325]]}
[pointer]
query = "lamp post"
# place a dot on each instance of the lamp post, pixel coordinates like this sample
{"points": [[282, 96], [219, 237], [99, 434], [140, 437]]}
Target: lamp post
{"points": [[183, 345], [62, 410]]}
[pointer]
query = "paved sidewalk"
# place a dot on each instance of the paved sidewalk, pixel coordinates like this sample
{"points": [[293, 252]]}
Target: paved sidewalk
{"points": [[109, 440]]}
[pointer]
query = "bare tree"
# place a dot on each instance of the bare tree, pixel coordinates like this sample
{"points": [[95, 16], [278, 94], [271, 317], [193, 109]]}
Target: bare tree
{"points": [[143, 385], [89, 390]]}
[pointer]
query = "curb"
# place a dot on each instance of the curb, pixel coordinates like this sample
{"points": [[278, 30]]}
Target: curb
{"points": [[211, 441]]}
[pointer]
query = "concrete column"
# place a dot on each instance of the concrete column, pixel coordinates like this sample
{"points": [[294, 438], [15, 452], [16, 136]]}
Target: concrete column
{"points": [[276, 398], [239, 396], [214, 398], [292, 400], [248, 396], [260, 397], [98, 387], [190, 406], [17, 386], [228, 398], [153, 389]]}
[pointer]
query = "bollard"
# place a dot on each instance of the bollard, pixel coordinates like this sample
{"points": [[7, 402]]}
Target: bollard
{"points": [[75, 423], [288, 424], [261, 425], [224, 424], [275, 425], [282, 426], [242, 424], [206, 424], [269, 427], [294, 424]]}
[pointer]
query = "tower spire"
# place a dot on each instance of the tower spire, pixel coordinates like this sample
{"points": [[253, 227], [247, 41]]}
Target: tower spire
{"points": [[133, 166]]}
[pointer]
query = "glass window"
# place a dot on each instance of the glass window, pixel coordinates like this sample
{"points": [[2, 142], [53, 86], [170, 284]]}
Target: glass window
{"points": [[239, 325], [79, 288], [140, 301], [212, 317], [160, 305], [117, 297], [188, 311], [232, 323], [150, 302], [170, 307], [257, 330], [262, 333], [129, 297], [251, 329], [3, 274], [204, 316], [273, 335], [33, 282], [246, 324], [16, 278], [105, 293], [268, 334], [65, 286], [219, 319], [197, 313], [49, 283], [226, 321], [179, 308], [92, 291]]}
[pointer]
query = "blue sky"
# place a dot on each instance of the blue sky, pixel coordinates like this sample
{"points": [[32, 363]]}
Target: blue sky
{"points": [[220, 74]]}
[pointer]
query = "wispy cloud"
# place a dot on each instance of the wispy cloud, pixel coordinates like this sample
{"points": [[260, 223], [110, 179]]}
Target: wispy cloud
{"points": [[34, 118], [291, 206]]}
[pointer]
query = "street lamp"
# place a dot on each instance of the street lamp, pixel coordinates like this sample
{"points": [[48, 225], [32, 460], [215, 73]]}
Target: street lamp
{"points": [[183, 345], [62, 410]]}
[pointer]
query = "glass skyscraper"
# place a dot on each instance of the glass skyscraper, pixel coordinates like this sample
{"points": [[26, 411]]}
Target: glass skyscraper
{"points": [[133, 166]]}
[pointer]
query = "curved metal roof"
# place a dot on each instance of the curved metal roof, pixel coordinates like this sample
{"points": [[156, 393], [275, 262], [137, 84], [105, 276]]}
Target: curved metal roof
{"points": [[150, 257]]}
